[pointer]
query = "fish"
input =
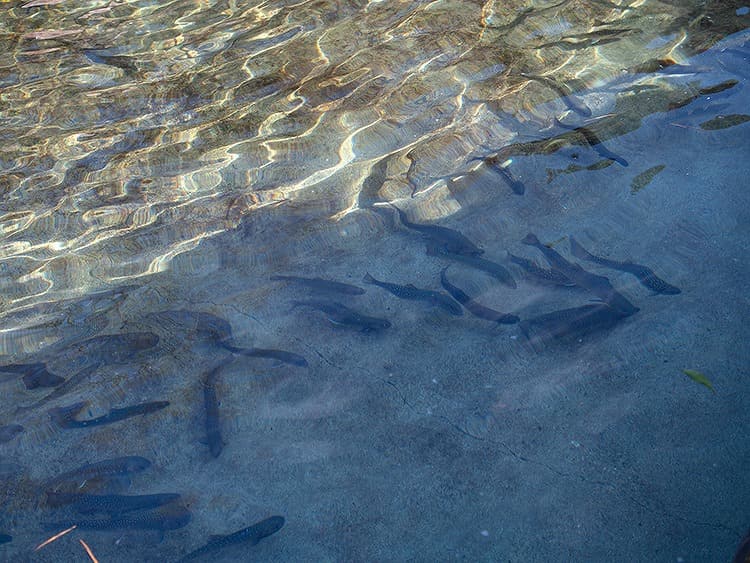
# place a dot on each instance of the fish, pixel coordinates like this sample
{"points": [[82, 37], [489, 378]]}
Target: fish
{"points": [[64, 417], [63, 388], [645, 275], [204, 325], [339, 314], [564, 91], [250, 535], [497, 271], [109, 504], [593, 140], [473, 307], [572, 323], [9, 431], [598, 285], [698, 377], [160, 520], [320, 284], [34, 375], [435, 298], [279, 355], [213, 438], [5, 538], [541, 274], [114, 348], [450, 239], [104, 469]]}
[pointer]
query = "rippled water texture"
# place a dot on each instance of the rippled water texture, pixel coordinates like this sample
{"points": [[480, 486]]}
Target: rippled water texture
{"points": [[161, 163]]}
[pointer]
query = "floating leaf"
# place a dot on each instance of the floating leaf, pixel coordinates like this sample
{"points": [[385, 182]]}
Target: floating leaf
{"points": [[698, 377]]}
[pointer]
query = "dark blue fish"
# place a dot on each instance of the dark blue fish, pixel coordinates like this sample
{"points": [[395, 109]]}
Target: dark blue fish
{"points": [[497, 271], [9, 431], [64, 417], [571, 323], [319, 284], [450, 239], [160, 520], [645, 275], [250, 535], [34, 375], [473, 307], [5, 538], [113, 348], [434, 298], [598, 285], [213, 439], [100, 470], [109, 504], [594, 142], [63, 388], [339, 314]]}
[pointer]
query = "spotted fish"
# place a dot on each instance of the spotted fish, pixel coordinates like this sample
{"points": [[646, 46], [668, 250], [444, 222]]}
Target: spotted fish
{"points": [[250, 535], [410, 292]]}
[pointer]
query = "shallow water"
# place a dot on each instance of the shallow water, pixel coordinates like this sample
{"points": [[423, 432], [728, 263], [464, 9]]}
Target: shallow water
{"points": [[162, 162]]}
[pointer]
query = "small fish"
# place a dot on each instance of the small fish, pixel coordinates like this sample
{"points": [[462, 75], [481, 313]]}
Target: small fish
{"points": [[34, 375], [100, 470], [109, 504], [9, 431], [698, 377], [645, 276], [64, 417], [541, 274], [644, 178], [250, 535], [598, 285], [5, 538], [473, 307], [279, 355], [410, 292], [451, 240], [497, 271], [339, 314], [571, 323], [319, 284], [213, 439], [161, 520], [594, 142]]}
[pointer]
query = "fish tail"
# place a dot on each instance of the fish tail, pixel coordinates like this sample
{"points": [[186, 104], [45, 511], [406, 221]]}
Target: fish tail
{"points": [[368, 278], [578, 251], [530, 239]]}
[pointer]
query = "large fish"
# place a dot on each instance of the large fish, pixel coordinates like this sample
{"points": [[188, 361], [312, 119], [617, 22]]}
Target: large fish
{"points": [[598, 285], [105, 469], [645, 275], [109, 504], [64, 417], [571, 323], [68, 385], [473, 307], [497, 271], [250, 535], [450, 239], [319, 284], [410, 292], [339, 314], [160, 520], [593, 140], [34, 375]]}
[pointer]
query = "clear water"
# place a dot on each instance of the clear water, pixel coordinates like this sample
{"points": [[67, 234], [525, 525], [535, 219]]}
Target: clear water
{"points": [[163, 160]]}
